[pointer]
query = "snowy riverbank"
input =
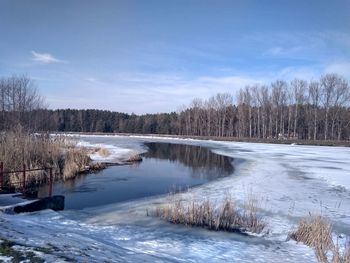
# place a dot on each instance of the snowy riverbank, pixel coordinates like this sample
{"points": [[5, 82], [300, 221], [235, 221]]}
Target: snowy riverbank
{"points": [[290, 180]]}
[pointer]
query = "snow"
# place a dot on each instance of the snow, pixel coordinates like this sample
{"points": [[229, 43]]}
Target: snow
{"points": [[120, 243], [115, 153], [290, 181], [8, 200], [5, 259]]}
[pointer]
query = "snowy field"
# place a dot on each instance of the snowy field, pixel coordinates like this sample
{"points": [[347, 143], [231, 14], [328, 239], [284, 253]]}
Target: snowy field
{"points": [[290, 180]]}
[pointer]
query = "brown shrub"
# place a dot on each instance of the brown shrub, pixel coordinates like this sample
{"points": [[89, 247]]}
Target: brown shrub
{"points": [[95, 167], [35, 151], [75, 161], [18, 148], [340, 256], [316, 232], [224, 216], [103, 152], [135, 158]]}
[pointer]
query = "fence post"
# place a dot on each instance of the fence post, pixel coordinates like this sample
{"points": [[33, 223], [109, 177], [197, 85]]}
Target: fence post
{"points": [[51, 182], [24, 177], [1, 175]]}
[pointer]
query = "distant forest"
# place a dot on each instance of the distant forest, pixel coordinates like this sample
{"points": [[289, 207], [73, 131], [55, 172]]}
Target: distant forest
{"points": [[300, 109]]}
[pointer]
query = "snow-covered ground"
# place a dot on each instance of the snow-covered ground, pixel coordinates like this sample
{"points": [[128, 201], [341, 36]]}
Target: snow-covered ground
{"points": [[290, 181], [114, 153]]}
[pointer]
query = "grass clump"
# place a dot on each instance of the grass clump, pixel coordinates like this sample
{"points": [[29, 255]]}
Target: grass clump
{"points": [[103, 152], [316, 232], [222, 216], [19, 148], [76, 160], [135, 158], [7, 249], [341, 256]]}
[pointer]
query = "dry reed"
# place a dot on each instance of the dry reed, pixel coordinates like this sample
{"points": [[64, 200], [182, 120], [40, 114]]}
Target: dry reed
{"points": [[103, 152], [19, 148], [135, 158], [75, 160], [316, 232], [341, 256], [224, 216]]}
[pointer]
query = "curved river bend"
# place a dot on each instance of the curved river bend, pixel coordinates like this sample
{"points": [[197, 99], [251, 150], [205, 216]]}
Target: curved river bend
{"points": [[165, 168]]}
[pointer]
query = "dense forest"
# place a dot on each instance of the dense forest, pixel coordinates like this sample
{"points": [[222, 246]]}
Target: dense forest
{"points": [[300, 109]]}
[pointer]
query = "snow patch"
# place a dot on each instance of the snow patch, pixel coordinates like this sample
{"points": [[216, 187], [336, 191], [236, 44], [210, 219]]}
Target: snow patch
{"points": [[290, 182], [115, 153]]}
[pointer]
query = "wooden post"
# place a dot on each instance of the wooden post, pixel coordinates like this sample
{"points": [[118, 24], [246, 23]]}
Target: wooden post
{"points": [[51, 183], [1, 175], [24, 177]]}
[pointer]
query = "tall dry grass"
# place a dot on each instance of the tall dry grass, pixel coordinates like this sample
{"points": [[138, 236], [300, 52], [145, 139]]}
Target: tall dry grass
{"points": [[316, 232], [222, 216], [341, 255], [75, 160], [103, 152], [18, 148]]}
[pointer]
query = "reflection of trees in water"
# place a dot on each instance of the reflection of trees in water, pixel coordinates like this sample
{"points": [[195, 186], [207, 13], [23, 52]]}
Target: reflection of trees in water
{"points": [[69, 185], [204, 163]]}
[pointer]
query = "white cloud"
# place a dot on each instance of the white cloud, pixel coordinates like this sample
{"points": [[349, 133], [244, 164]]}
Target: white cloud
{"points": [[284, 51], [146, 93], [164, 92], [274, 51], [301, 72], [339, 68], [91, 79], [45, 58]]}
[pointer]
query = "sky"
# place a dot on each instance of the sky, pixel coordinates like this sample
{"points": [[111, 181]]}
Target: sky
{"points": [[155, 55]]}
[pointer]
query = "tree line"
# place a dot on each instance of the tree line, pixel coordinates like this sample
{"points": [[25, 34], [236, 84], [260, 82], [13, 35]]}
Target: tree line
{"points": [[299, 109]]}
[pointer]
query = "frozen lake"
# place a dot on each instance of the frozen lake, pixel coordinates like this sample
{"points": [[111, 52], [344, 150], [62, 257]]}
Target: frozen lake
{"points": [[290, 182]]}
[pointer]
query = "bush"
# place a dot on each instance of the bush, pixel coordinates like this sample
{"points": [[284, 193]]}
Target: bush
{"points": [[224, 216], [316, 232], [103, 152], [76, 160], [18, 148]]}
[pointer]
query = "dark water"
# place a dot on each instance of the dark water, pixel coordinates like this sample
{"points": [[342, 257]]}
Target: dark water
{"points": [[165, 168]]}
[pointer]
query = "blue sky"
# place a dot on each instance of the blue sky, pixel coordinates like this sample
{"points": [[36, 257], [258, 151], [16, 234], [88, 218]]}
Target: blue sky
{"points": [[154, 56]]}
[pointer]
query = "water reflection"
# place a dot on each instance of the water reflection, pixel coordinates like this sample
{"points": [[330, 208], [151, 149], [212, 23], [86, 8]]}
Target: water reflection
{"points": [[203, 162], [165, 168]]}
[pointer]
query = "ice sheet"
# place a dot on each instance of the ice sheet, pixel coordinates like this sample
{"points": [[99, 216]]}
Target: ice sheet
{"points": [[290, 181]]}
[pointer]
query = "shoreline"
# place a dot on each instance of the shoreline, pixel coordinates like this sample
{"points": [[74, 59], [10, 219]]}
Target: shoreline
{"points": [[269, 175], [215, 138]]}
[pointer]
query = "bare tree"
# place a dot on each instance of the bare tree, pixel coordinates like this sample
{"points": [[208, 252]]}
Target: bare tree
{"points": [[18, 96], [328, 84], [278, 101], [224, 100], [247, 100], [299, 87], [315, 97], [342, 96], [257, 103]]}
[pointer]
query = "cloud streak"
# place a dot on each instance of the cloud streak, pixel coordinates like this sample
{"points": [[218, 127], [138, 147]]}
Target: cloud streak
{"points": [[146, 93], [342, 68], [45, 58], [150, 92]]}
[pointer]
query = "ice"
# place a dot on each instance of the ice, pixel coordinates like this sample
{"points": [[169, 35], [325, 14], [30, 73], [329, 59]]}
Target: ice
{"points": [[123, 243], [290, 182], [5, 259], [115, 153]]}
